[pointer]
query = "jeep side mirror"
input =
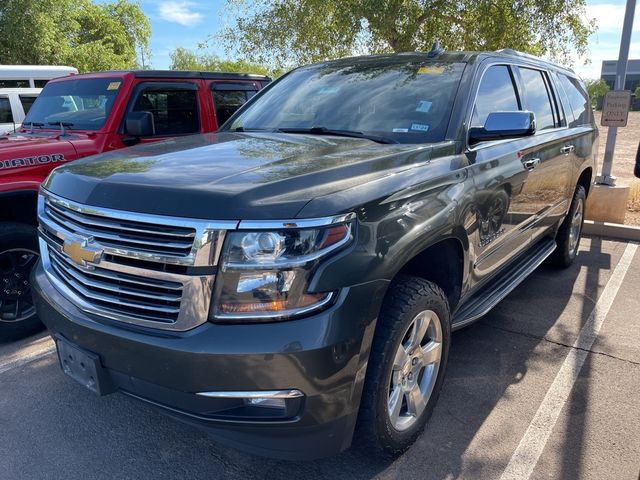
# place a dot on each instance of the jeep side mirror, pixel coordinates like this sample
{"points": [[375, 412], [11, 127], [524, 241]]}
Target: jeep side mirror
{"points": [[501, 125], [140, 124]]}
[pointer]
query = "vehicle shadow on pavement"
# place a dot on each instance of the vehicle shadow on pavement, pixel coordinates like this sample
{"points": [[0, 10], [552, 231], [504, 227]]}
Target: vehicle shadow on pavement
{"points": [[82, 436]]}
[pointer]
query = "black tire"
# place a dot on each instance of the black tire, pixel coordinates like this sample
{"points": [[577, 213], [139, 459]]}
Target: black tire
{"points": [[567, 249], [407, 297], [18, 255]]}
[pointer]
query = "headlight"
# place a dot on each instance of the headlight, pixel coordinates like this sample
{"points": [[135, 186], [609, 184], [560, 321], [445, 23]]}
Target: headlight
{"points": [[264, 274]]}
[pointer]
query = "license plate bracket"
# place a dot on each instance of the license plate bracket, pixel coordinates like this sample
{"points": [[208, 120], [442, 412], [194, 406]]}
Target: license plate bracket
{"points": [[84, 367]]}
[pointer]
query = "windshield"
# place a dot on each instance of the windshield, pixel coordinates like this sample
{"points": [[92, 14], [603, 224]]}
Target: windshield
{"points": [[82, 104], [408, 102]]}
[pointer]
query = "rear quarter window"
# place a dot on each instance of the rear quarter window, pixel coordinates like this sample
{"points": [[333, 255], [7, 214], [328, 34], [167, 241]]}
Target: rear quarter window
{"points": [[578, 101]]}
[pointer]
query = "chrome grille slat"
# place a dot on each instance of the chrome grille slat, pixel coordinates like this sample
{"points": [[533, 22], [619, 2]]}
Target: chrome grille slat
{"points": [[137, 270], [114, 277], [93, 221], [118, 240], [112, 299], [86, 280]]}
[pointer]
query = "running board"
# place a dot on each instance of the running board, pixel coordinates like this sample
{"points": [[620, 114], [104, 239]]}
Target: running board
{"points": [[490, 295]]}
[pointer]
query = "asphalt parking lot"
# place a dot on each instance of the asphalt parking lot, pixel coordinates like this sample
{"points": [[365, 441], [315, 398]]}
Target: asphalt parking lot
{"points": [[547, 385]]}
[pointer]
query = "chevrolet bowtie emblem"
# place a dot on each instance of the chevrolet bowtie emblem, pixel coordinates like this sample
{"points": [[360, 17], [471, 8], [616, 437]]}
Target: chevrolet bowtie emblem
{"points": [[81, 252]]}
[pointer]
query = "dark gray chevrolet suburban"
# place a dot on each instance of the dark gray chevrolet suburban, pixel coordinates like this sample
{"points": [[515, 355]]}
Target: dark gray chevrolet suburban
{"points": [[294, 279]]}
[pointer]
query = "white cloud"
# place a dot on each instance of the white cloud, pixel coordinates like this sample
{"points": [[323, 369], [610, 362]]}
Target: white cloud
{"points": [[179, 12], [609, 17]]}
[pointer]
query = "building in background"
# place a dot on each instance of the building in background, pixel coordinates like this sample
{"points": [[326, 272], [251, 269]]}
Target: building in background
{"points": [[608, 74]]}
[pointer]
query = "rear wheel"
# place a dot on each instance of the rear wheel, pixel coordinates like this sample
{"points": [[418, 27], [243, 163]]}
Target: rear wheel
{"points": [[406, 366], [18, 256], [570, 231]]}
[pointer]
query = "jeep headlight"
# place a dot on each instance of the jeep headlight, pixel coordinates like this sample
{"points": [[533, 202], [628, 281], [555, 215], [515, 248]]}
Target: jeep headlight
{"points": [[264, 275]]}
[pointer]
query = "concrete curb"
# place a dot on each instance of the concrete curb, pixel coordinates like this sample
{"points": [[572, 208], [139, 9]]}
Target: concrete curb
{"points": [[611, 230]]}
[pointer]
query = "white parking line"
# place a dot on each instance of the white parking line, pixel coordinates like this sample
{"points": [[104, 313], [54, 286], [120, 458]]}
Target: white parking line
{"points": [[526, 456], [34, 352]]}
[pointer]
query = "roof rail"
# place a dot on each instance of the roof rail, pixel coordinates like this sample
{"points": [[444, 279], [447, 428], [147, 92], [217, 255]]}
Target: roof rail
{"points": [[516, 53]]}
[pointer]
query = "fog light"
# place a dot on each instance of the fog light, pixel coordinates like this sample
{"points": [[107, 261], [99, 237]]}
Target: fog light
{"points": [[279, 403], [259, 405]]}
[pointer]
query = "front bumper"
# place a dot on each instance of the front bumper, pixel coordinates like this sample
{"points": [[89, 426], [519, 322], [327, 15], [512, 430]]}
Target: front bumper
{"points": [[324, 356]]}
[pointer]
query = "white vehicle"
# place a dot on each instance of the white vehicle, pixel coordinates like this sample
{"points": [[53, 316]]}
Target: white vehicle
{"points": [[31, 76], [14, 105]]}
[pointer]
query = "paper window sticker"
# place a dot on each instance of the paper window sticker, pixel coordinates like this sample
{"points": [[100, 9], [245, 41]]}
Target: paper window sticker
{"points": [[114, 86], [430, 70], [419, 127], [400, 130], [424, 106]]}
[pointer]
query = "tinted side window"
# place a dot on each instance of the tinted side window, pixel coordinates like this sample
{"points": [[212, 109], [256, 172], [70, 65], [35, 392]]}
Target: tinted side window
{"points": [[14, 84], [496, 93], [40, 83], [578, 101], [227, 102], [175, 111], [5, 111], [537, 96], [27, 101]]}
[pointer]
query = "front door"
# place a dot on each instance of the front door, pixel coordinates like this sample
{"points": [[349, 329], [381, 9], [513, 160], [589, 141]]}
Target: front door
{"points": [[500, 226]]}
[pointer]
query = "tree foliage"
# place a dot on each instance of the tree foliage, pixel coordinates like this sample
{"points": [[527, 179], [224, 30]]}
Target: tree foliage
{"points": [[79, 33], [596, 88], [286, 32], [184, 59]]}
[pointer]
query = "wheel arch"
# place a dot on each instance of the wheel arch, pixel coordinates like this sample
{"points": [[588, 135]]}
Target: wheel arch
{"points": [[19, 206], [586, 179], [443, 263]]}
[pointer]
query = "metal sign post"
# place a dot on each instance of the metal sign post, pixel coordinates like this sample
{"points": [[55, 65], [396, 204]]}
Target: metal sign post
{"points": [[605, 178]]}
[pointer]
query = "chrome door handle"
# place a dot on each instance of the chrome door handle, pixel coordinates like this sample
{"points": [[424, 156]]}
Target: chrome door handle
{"points": [[567, 149], [531, 163]]}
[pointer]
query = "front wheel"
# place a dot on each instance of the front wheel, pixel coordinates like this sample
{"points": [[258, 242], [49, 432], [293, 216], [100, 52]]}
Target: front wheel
{"points": [[406, 366], [570, 231], [18, 256]]}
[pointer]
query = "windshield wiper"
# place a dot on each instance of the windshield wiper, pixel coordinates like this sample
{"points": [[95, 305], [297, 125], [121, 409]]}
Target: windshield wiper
{"points": [[62, 126], [242, 129], [338, 133], [33, 124]]}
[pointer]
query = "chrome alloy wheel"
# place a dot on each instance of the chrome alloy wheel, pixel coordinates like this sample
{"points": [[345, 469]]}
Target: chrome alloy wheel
{"points": [[415, 370], [576, 227], [15, 290]]}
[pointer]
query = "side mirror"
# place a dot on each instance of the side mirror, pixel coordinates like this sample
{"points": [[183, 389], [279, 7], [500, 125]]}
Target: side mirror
{"points": [[140, 124], [501, 125]]}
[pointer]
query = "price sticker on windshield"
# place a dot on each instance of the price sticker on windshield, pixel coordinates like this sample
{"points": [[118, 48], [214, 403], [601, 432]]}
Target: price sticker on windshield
{"points": [[114, 86]]}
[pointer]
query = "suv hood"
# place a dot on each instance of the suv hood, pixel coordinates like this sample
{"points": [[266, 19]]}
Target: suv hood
{"points": [[230, 176]]}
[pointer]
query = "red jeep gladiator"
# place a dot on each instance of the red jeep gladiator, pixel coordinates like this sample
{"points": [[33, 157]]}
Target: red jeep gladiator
{"points": [[82, 115]]}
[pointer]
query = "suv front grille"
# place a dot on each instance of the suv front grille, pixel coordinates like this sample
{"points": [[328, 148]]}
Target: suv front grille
{"points": [[114, 233], [130, 267], [129, 295]]}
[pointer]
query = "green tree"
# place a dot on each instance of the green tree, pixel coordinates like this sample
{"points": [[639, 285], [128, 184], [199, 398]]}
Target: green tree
{"points": [[88, 36], [596, 89], [184, 59], [637, 92], [288, 32]]}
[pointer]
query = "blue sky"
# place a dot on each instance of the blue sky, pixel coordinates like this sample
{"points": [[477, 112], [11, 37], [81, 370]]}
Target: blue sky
{"points": [[186, 23]]}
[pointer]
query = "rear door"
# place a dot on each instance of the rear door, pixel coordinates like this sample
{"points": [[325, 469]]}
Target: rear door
{"points": [[582, 133], [229, 96], [547, 157]]}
